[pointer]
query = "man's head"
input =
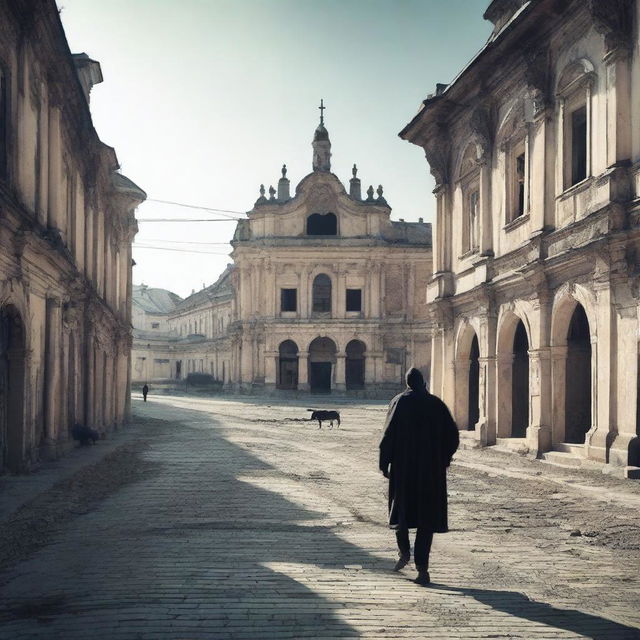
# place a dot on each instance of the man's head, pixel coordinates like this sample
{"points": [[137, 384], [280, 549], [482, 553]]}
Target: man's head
{"points": [[415, 380]]}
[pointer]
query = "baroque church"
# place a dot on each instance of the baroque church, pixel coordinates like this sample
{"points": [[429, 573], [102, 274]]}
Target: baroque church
{"points": [[325, 293]]}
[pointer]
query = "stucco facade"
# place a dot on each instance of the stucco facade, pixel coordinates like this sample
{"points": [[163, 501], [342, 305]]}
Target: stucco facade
{"points": [[535, 148], [66, 227], [152, 349]]}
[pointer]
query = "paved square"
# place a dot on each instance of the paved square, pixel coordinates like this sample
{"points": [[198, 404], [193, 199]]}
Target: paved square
{"points": [[212, 518]]}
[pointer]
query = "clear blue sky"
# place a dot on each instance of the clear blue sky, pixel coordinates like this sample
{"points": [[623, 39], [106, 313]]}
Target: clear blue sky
{"points": [[203, 100]]}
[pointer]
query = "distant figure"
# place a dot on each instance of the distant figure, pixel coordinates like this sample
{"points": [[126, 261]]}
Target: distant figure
{"points": [[419, 441], [145, 391]]}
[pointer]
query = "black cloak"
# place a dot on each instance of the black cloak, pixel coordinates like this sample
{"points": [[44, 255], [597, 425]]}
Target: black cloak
{"points": [[419, 441]]}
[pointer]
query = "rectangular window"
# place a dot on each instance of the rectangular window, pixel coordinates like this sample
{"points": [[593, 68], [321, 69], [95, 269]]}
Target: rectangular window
{"points": [[288, 299], [578, 145], [354, 299], [520, 184], [156, 325]]}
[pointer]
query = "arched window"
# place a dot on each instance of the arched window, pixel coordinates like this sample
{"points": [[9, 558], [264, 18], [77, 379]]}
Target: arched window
{"points": [[321, 293], [319, 224]]}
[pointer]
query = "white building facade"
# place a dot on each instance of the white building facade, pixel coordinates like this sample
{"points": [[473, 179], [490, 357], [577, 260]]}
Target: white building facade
{"points": [[535, 148]]}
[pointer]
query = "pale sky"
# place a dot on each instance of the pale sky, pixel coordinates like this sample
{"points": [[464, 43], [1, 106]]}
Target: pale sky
{"points": [[203, 100]]}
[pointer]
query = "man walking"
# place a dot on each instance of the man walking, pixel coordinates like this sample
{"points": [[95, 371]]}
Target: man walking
{"points": [[419, 441], [145, 391]]}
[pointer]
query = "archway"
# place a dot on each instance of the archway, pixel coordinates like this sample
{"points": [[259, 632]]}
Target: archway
{"points": [[577, 416], [473, 412], [288, 365], [322, 357], [520, 383], [12, 374], [354, 365], [467, 377], [321, 294]]}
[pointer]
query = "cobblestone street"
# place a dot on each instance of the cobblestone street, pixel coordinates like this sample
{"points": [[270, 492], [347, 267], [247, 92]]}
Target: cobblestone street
{"points": [[211, 518]]}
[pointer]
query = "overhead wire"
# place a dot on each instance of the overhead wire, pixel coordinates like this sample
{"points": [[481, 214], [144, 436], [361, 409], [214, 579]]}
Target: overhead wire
{"points": [[194, 206]]}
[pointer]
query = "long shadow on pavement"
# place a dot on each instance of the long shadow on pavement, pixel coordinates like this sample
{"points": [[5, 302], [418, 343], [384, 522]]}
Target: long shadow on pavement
{"points": [[519, 605], [187, 553]]}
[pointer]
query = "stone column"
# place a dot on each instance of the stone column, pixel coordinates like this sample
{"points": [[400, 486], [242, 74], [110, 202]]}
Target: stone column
{"points": [[504, 371], [339, 374], [271, 361], [599, 436], [439, 235], [558, 384], [54, 214], [625, 448], [52, 386], [539, 429], [340, 295], [303, 371], [43, 157], [485, 428], [461, 396], [618, 104], [303, 306], [486, 215]]}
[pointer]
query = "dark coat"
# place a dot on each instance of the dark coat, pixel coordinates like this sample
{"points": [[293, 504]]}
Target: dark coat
{"points": [[419, 440]]}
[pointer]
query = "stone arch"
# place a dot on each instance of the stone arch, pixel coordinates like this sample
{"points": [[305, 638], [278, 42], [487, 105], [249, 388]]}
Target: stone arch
{"points": [[468, 158], [512, 124], [287, 365], [322, 224], [322, 360], [321, 294], [355, 364], [13, 371], [573, 371], [513, 344], [467, 376], [573, 73]]}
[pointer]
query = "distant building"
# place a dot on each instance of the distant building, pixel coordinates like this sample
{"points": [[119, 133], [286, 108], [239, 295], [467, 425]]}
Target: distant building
{"points": [[326, 293], [535, 148], [65, 245], [151, 354]]}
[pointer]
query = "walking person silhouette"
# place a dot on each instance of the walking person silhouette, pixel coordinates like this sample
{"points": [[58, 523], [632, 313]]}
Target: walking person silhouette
{"points": [[419, 441]]}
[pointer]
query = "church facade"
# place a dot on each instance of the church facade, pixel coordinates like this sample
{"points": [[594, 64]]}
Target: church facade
{"points": [[534, 301], [325, 293]]}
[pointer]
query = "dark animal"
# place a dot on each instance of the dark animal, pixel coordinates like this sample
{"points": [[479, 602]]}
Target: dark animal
{"points": [[329, 416], [84, 435]]}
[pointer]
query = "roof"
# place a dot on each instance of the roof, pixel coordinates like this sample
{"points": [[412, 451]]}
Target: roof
{"points": [[409, 232], [496, 38], [220, 289], [152, 300]]}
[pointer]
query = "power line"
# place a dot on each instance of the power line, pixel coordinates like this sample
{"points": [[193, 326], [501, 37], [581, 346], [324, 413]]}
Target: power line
{"points": [[194, 206], [180, 241], [211, 253], [185, 219]]}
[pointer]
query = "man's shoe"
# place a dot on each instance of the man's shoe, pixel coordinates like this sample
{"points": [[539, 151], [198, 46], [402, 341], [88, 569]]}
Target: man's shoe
{"points": [[423, 577], [403, 561]]}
